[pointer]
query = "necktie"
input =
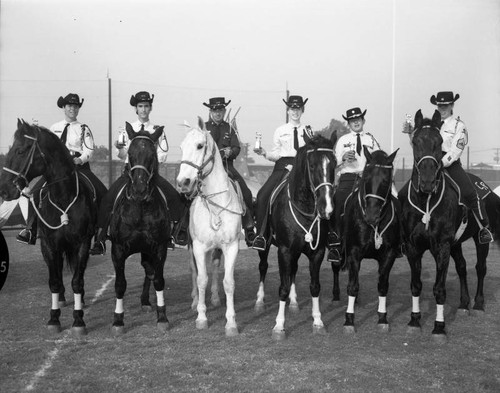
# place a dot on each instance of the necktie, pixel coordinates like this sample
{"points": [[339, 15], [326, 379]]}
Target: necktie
{"points": [[142, 127], [358, 144], [64, 134], [295, 139]]}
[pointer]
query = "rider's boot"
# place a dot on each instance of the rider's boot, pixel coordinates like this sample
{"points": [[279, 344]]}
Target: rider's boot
{"points": [[248, 226], [479, 211], [180, 231], [259, 243], [28, 234]]}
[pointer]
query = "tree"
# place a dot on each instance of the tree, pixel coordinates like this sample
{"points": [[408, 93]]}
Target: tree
{"points": [[101, 153], [337, 125]]}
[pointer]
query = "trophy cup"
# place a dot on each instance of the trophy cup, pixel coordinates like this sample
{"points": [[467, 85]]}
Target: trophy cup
{"points": [[258, 141], [407, 126]]}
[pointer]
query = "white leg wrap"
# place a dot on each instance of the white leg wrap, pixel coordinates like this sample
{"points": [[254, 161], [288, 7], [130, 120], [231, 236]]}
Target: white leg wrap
{"points": [[382, 304], [160, 300], [78, 301], [55, 301], [440, 313], [119, 306], [280, 318], [316, 313], [415, 304], [260, 294], [293, 294], [350, 304]]}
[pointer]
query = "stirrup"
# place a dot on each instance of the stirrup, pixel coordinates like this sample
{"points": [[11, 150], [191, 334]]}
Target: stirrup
{"points": [[259, 243], [171, 244], [99, 248], [26, 237], [334, 255], [332, 239], [485, 236]]}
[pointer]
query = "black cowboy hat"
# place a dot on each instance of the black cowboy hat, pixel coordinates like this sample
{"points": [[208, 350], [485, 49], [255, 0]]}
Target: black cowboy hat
{"points": [[354, 113], [70, 99], [444, 98], [295, 102], [142, 96], [217, 103]]}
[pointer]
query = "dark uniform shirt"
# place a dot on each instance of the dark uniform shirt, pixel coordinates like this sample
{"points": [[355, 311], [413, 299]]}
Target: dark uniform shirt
{"points": [[225, 136]]}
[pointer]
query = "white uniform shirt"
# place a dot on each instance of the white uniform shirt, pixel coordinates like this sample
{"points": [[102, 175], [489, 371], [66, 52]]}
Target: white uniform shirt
{"points": [[346, 143], [151, 128], [79, 139], [283, 141], [455, 139]]}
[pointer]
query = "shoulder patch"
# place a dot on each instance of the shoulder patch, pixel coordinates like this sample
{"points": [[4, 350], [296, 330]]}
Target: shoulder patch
{"points": [[461, 143]]}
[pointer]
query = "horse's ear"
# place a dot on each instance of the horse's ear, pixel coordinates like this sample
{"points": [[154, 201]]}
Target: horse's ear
{"points": [[130, 131], [158, 132], [391, 158], [368, 155], [201, 123], [418, 119], [436, 119], [19, 124], [333, 137]]}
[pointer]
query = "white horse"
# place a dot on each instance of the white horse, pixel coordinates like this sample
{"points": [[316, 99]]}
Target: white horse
{"points": [[215, 216]]}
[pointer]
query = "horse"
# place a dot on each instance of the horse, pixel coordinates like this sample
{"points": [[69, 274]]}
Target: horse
{"points": [[432, 215], [371, 229], [140, 224], [67, 211], [215, 216], [298, 220]]}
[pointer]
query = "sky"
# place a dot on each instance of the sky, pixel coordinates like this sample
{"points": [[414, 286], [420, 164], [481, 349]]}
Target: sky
{"points": [[385, 56]]}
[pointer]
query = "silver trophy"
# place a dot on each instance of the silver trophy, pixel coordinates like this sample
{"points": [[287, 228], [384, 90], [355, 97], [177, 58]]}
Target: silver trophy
{"points": [[407, 126], [258, 141], [121, 137]]}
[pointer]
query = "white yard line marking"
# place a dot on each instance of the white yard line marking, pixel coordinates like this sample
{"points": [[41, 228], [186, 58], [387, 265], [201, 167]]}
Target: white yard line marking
{"points": [[55, 352]]}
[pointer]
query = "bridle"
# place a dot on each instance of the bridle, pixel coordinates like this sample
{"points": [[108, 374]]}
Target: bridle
{"points": [[204, 163], [21, 175], [323, 184], [417, 164], [149, 172]]}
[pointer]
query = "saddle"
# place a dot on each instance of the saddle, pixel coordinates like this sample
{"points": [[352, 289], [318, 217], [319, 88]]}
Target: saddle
{"points": [[237, 188]]}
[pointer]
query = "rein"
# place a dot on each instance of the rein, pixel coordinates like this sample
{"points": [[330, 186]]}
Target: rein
{"points": [[362, 204], [314, 216], [22, 175], [427, 213]]}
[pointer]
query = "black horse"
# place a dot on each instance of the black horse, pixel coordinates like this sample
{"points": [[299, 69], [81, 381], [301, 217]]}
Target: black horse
{"points": [[299, 222], [371, 229], [67, 211], [432, 218], [140, 224]]}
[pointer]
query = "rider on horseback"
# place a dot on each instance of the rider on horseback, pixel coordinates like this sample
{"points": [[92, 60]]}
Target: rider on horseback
{"points": [[226, 137], [455, 138], [143, 103], [80, 142], [286, 141]]}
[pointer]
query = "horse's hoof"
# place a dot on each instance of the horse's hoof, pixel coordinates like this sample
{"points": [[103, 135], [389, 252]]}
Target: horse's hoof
{"points": [[462, 313], [62, 303], [201, 324], [440, 338], [118, 330], [54, 329], [232, 331], [476, 312], [279, 335], [147, 308], [349, 329], [294, 308], [194, 306], [79, 331], [259, 307], [215, 302], [319, 330], [162, 326], [414, 330], [383, 327]]}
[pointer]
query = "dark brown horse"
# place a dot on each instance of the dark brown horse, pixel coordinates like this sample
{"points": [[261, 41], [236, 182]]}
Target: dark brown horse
{"points": [[371, 229], [299, 223], [67, 212], [141, 224], [432, 217]]}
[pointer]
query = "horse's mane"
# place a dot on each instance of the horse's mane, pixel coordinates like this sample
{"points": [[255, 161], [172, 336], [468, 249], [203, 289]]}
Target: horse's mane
{"points": [[47, 139], [298, 176]]}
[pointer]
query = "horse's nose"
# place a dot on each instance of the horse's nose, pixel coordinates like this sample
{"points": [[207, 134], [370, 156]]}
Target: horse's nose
{"points": [[183, 183]]}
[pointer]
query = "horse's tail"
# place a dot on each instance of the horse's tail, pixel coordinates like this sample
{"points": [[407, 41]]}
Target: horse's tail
{"points": [[492, 202]]}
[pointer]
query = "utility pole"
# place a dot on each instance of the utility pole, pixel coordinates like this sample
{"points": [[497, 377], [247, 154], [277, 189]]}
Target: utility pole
{"points": [[110, 135], [497, 155]]}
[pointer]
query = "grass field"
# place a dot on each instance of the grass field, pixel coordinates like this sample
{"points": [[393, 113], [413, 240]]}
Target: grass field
{"points": [[187, 360]]}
